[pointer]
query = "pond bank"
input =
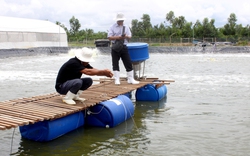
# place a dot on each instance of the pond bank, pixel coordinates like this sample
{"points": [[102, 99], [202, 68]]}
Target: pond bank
{"points": [[160, 49]]}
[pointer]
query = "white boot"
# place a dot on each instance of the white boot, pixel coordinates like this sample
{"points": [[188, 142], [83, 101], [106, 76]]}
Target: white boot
{"points": [[117, 77], [68, 98], [77, 96], [131, 78]]}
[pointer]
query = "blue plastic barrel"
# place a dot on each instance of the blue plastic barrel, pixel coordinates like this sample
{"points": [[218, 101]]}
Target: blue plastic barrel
{"points": [[150, 93], [51, 129], [110, 113], [128, 94], [138, 51]]}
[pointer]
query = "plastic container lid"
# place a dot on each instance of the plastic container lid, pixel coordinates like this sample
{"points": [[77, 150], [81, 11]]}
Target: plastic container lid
{"points": [[136, 45]]}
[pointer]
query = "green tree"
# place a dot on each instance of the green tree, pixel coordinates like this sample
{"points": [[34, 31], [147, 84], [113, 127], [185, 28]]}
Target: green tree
{"points": [[229, 28], [187, 30], [146, 24], [81, 35], [173, 26], [160, 31], [245, 31], [89, 33], [170, 17], [61, 25], [74, 25], [100, 35], [142, 28], [178, 25], [179, 22], [135, 28], [205, 29]]}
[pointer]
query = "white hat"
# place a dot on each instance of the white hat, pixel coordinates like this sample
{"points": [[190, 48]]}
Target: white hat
{"points": [[120, 17], [84, 54]]}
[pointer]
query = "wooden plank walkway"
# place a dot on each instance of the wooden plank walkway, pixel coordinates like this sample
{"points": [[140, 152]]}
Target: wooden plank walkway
{"points": [[24, 111]]}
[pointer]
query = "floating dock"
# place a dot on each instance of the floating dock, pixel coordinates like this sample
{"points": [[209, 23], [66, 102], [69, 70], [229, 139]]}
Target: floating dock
{"points": [[25, 111]]}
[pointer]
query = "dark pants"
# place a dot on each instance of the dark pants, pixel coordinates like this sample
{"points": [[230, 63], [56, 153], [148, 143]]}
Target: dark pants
{"points": [[75, 85], [124, 55]]}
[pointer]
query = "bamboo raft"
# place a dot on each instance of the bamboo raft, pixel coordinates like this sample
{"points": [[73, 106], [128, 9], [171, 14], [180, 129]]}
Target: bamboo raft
{"points": [[25, 111]]}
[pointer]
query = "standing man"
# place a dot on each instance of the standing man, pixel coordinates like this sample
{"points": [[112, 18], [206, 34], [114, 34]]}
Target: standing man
{"points": [[69, 81], [115, 33]]}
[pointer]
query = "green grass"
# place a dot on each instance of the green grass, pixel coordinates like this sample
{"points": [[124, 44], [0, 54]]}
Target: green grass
{"points": [[154, 44], [81, 44]]}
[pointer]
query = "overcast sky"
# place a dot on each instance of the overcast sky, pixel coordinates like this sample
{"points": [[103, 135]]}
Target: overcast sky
{"points": [[99, 14]]}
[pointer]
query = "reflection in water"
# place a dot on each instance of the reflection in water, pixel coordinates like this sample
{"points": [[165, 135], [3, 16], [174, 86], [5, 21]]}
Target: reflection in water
{"points": [[157, 105]]}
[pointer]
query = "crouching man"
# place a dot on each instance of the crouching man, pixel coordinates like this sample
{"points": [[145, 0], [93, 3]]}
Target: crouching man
{"points": [[69, 81]]}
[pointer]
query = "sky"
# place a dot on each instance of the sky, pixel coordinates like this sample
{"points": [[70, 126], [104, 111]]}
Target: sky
{"points": [[99, 14]]}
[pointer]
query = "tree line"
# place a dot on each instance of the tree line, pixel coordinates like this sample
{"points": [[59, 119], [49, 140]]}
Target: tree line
{"points": [[173, 26]]}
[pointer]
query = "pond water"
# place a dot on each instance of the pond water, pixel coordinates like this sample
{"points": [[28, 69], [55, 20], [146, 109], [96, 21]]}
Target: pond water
{"points": [[205, 112]]}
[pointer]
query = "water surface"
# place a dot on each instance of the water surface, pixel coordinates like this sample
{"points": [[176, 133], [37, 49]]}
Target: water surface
{"points": [[206, 111]]}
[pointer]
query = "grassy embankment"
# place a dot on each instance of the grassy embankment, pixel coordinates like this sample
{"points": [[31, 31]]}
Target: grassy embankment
{"points": [[91, 44]]}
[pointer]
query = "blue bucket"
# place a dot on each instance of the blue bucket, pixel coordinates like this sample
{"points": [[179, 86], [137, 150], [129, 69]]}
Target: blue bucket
{"points": [[138, 51], [110, 113], [51, 129], [150, 93]]}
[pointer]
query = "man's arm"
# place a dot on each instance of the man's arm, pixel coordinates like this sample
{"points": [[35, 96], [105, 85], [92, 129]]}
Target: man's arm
{"points": [[104, 72], [111, 35], [119, 37]]}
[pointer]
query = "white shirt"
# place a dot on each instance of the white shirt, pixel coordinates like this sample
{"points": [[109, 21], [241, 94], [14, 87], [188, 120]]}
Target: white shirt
{"points": [[116, 30]]}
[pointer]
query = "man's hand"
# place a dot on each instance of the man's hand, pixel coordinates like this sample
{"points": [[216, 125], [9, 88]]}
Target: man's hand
{"points": [[108, 73], [121, 37]]}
